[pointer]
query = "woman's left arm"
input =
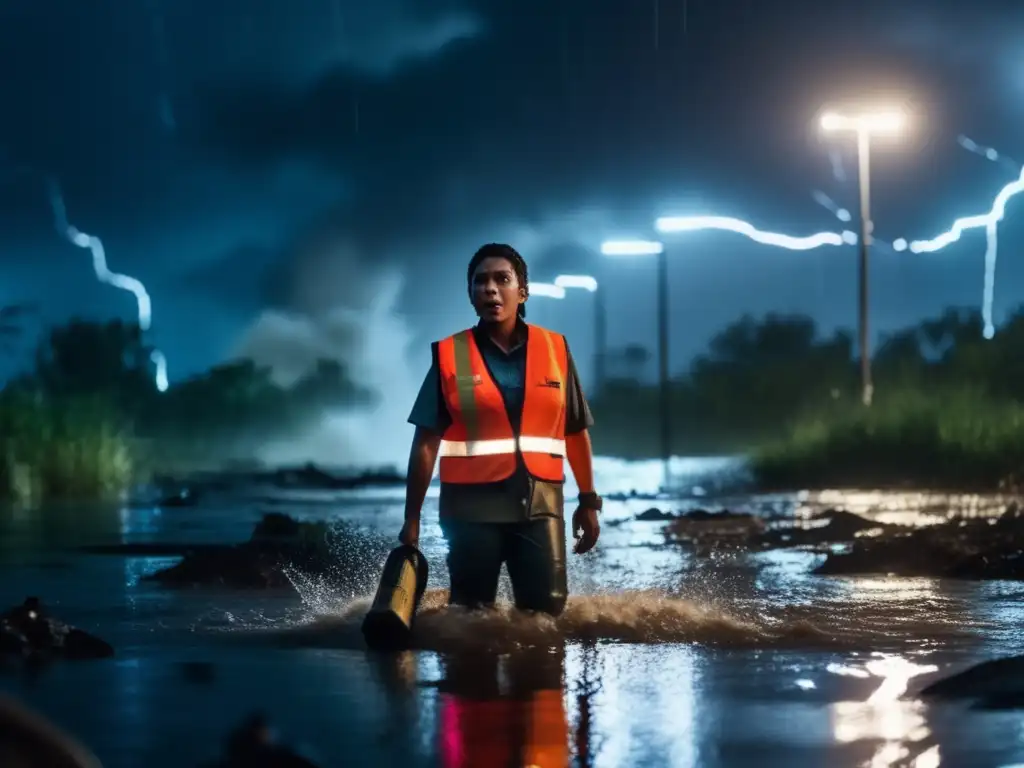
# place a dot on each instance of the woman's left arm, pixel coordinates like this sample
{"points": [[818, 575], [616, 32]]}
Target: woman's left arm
{"points": [[581, 460], [578, 421], [579, 451]]}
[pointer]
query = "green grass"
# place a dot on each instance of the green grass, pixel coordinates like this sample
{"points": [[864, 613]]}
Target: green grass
{"points": [[64, 450], [957, 440]]}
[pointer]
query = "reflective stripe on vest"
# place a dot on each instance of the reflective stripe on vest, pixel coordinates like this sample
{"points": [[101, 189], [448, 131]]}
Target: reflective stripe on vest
{"points": [[466, 448], [480, 445]]}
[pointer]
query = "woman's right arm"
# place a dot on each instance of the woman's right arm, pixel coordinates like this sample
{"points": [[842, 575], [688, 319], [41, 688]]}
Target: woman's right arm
{"points": [[431, 418], [422, 458]]}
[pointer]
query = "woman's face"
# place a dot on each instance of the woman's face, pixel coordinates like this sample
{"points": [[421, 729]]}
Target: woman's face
{"points": [[495, 292]]}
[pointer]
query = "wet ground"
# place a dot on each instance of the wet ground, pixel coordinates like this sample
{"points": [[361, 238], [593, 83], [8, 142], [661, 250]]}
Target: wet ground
{"points": [[661, 659]]}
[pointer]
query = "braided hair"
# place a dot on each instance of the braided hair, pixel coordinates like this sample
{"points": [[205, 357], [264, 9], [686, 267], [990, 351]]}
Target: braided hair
{"points": [[501, 251]]}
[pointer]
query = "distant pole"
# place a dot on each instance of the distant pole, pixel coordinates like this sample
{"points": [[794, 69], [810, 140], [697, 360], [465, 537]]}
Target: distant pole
{"points": [[864, 171], [890, 122], [665, 408], [600, 340]]}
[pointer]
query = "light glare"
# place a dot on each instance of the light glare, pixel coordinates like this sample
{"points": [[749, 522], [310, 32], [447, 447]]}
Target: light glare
{"points": [[631, 248], [547, 290], [583, 282], [890, 122]]}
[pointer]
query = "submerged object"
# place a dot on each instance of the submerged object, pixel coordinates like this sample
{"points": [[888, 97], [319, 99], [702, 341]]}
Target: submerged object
{"points": [[388, 624]]}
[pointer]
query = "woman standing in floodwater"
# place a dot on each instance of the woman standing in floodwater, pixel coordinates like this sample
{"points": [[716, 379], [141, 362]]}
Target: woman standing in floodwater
{"points": [[503, 408]]}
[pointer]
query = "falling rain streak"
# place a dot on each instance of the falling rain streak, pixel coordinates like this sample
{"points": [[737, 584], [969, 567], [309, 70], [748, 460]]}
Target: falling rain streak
{"points": [[657, 21], [165, 104], [657, 24]]}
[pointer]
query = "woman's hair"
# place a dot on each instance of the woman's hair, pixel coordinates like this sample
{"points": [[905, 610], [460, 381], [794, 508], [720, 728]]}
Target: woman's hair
{"points": [[501, 251]]}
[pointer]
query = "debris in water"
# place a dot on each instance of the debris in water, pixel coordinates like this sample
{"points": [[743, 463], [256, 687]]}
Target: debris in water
{"points": [[29, 631]]}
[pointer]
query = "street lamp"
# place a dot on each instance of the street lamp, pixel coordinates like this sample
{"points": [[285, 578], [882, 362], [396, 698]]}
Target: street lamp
{"points": [[558, 290], [547, 290], [589, 284], [864, 125], [634, 248]]}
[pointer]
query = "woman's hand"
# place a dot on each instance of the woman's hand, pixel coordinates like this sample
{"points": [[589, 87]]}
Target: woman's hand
{"points": [[410, 533], [585, 529]]}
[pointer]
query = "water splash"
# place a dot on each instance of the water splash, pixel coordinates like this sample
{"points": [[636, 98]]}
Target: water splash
{"points": [[640, 617]]}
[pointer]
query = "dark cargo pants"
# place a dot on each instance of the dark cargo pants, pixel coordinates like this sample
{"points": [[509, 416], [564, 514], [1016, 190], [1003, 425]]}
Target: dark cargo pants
{"points": [[533, 551]]}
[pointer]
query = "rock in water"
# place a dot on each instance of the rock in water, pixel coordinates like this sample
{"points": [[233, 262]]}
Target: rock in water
{"points": [[958, 549], [995, 684], [28, 630], [278, 543]]}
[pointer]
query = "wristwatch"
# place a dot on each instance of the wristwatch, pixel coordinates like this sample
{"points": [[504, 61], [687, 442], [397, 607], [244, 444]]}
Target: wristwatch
{"points": [[590, 500]]}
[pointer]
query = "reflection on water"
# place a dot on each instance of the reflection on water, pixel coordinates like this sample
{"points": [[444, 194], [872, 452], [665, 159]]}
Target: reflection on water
{"points": [[899, 725], [904, 507], [660, 659], [503, 710]]}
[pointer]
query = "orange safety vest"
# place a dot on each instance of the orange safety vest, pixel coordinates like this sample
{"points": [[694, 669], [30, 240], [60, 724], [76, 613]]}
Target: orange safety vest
{"points": [[480, 446]]}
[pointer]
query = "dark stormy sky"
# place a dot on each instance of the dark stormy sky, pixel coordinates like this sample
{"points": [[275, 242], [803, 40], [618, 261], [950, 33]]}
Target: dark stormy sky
{"points": [[271, 169]]}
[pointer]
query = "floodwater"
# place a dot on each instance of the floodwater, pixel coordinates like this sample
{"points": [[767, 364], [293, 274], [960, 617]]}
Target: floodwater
{"points": [[661, 659]]}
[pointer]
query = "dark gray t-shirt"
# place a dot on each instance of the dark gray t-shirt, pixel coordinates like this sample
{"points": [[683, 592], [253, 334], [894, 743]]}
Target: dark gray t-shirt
{"points": [[520, 497]]}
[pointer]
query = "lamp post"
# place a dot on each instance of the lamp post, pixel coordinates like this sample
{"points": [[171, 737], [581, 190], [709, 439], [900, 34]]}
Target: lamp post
{"points": [[590, 284], [638, 248], [864, 125]]}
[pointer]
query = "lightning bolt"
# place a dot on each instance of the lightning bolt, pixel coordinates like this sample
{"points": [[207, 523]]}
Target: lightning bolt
{"points": [[991, 233], [673, 224], [844, 215], [989, 222], [99, 264]]}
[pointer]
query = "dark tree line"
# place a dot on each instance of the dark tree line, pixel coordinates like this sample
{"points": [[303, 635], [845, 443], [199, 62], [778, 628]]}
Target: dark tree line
{"points": [[109, 366], [758, 375]]}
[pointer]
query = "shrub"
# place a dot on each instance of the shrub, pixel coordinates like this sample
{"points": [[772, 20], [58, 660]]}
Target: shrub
{"points": [[957, 439], [66, 449]]}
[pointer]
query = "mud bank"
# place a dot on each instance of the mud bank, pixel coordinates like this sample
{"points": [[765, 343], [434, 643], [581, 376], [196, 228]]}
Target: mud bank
{"points": [[976, 549], [279, 548]]}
